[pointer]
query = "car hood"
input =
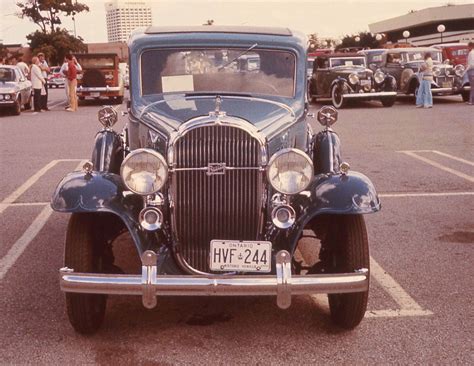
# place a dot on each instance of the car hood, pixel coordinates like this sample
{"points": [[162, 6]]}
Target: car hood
{"points": [[170, 113], [8, 85], [346, 71]]}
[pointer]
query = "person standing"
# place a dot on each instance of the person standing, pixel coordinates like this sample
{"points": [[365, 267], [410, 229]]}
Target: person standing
{"points": [[44, 70], [63, 72], [470, 71], [71, 83], [424, 98], [38, 82], [23, 67]]}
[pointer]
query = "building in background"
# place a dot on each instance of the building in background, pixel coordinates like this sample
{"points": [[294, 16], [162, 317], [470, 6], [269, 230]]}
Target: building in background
{"points": [[442, 24], [123, 16]]}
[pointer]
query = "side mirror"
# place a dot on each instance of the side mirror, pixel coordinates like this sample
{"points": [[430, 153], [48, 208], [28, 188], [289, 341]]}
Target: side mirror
{"points": [[22, 79]]}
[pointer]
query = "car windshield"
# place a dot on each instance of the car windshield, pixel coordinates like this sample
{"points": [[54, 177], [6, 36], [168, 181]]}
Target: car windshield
{"points": [[420, 56], [461, 52], [7, 74], [374, 58], [346, 61], [221, 70], [96, 62]]}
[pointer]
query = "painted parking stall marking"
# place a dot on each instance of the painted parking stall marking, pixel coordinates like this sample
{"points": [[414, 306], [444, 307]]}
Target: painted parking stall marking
{"points": [[416, 155], [35, 227], [407, 306]]}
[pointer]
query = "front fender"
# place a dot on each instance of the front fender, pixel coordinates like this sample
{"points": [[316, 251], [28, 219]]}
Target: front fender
{"points": [[337, 194], [100, 192]]}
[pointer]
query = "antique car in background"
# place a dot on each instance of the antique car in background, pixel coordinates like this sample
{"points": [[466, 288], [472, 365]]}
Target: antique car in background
{"points": [[344, 76], [453, 53], [373, 57], [216, 177], [404, 64], [101, 77], [55, 78], [15, 89]]}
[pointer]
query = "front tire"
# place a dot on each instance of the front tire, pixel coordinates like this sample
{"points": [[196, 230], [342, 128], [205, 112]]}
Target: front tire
{"points": [[388, 101], [86, 312], [347, 242], [337, 97], [17, 107], [465, 96]]}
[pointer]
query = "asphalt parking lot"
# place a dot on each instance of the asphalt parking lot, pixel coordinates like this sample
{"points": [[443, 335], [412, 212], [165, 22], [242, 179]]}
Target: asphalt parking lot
{"points": [[421, 298]]}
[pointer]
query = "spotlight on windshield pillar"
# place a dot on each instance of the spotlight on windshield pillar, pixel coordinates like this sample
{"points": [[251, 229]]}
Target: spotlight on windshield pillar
{"points": [[378, 37], [441, 28]]}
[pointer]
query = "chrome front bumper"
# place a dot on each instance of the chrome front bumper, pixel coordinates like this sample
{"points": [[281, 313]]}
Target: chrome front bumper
{"points": [[101, 89], [149, 284], [371, 95]]}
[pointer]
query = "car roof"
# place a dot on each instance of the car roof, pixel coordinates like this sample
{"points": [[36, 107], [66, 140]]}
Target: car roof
{"points": [[341, 54], [442, 45], [10, 67], [412, 49], [276, 31]]}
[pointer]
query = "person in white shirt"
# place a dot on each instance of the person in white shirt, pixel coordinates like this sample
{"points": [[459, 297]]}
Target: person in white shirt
{"points": [[24, 68], [63, 72], [38, 81], [44, 70], [470, 72]]}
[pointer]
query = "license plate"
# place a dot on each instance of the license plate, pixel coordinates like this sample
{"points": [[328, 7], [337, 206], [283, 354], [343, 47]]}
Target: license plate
{"points": [[95, 95], [365, 82], [446, 84], [240, 256]]}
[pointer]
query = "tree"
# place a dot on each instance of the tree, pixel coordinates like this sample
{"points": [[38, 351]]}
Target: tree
{"points": [[363, 39], [314, 42], [47, 13], [55, 45]]}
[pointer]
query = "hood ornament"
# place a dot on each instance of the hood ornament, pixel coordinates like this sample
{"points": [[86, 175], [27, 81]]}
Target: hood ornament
{"points": [[217, 109]]}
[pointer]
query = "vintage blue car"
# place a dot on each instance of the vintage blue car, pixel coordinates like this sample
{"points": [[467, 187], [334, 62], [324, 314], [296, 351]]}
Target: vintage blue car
{"points": [[218, 178]]}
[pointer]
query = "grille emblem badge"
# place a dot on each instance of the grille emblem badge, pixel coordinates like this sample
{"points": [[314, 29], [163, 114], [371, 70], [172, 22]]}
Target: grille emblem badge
{"points": [[215, 169]]}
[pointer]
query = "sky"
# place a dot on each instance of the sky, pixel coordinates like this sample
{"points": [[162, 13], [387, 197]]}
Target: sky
{"points": [[332, 19]]}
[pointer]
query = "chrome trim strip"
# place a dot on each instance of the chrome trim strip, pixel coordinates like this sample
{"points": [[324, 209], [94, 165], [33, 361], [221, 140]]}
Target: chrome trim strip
{"points": [[443, 90], [206, 168], [369, 95], [213, 120], [98, 89], [467, 87], [149, 284]]}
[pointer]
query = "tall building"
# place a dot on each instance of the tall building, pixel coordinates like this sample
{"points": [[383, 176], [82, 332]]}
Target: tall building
{"points": [[123, 16]]}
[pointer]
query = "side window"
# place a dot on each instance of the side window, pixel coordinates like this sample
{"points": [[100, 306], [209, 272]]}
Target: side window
{"points": [[393, 58]]}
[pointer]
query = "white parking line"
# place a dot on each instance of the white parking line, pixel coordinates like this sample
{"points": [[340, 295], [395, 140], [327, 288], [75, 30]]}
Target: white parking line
{"points": [[32, 180], [453, 157], [437, 165], [22, 243], [429, 194], [30, 233], [408, 306]]}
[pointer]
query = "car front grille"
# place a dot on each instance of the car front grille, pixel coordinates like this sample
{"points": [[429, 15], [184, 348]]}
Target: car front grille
{"points": [[210, 201]]}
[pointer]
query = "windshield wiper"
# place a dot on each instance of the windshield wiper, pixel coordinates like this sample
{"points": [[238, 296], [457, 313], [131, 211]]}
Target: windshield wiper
{"points": [[239, 56]]}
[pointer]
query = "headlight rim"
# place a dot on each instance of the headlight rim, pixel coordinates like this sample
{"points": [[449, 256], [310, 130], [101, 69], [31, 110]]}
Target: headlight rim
{"points": [[459, 70], [149, 151], [381, 74], [284, 151], [436, 71], [355, 77]]}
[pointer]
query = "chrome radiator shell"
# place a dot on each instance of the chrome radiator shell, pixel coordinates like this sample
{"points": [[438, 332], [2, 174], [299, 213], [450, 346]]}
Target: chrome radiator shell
{"points": [[217, 188]]}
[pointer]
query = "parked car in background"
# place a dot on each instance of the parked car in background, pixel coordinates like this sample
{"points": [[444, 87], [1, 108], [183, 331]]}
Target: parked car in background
{"points": [[453, 53], [101, 77], [215, 177], [15, 89], [404, 65], [124, 70], [55, 78], [373, 57], [309, 66], [345, 76]]}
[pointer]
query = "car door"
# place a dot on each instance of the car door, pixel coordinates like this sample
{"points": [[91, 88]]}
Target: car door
{"points": [[391, 64], [20, 81]]}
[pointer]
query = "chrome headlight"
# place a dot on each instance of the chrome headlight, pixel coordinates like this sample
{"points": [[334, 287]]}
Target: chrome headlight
{"points": [[459, 70], [379, 77], [7, 96], [436, 71], [144, 171], [290, 171], [353, 79]]}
